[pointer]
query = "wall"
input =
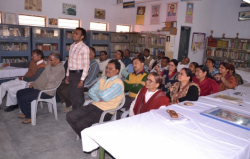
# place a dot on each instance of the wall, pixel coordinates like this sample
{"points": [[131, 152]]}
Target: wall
{"points": [[85, 11], [202, 22], [226, 14]]}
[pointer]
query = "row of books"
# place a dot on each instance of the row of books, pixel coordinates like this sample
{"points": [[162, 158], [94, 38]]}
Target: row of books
{"points": [[228, 54], [15, 60], [6, 31], [217, 43], [240, 46], [101, 48], [67, 47], [240, 64], [69, 35], [156, 41], [47, 47], [120, 47], [155, 51], [139, 49], [223, 44], [13, 46], [47, 34], [119, 38], [100, 36]]}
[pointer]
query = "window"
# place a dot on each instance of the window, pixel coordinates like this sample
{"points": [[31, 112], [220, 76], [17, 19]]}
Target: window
{"points": [[32, 20], [99, 26], [68, 23], [123, 28]]}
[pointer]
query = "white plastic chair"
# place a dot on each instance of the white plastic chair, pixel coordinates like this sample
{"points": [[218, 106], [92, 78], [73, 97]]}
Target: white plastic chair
{"points": [[51, 101], [90, 85]]}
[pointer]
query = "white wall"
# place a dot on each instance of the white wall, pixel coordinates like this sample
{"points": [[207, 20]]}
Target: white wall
{"points": [[226, 14], [84, 11], [202, 22]]}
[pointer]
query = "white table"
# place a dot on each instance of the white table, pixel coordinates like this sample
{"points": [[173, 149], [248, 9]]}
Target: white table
{"points": [[244, 73], [12, 72], [151, 136]]}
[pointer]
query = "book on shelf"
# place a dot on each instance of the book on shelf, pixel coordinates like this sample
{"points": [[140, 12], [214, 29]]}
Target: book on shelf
{"points": [[12, 31], [209, 52], [46, 33], [120, 37], [13, 46], [47, 47], [139, 49], [156, 41], [212, 42], [223, 44], [99, 36], [14, 59], [155, 51], [120, 47], [69, 35], [141, 40], [100, 48]]}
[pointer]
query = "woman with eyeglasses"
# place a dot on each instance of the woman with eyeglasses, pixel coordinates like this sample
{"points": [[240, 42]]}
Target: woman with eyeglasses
{"points": [[184, 89], [150, 96]]}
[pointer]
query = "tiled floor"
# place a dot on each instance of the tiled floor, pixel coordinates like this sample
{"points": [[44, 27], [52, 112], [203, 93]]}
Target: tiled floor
{"points": [[48, 139]]}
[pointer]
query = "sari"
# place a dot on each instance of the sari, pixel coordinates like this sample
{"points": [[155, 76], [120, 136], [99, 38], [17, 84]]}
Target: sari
{"points": [[167, 80], [232, 82], [207, 86]]}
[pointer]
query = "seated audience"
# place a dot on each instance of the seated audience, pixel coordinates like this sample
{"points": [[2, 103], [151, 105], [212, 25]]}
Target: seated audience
{"points": [[237, 76], [158, 61], [163, 65], [52, 75], [211, 68], [126, 58], [184, 89], [169, 76], [224, 79], [106, 94], [103, 61], [150, 96], [148, 59], [118, 57], [183, 64], [205, 81], [36, 67], [135, 81], [193, 66]]}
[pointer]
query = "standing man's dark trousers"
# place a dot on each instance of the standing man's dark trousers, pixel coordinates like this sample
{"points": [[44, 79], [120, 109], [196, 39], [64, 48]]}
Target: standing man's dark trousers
{"points": [[25, 97], [76, 94], [85, 116], [63, 93]]}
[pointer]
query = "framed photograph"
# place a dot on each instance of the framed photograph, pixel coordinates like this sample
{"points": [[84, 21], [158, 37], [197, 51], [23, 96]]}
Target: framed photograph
{"points": [[189, 12], [100, 13], [155, 14], [34, 5], [140, 15], [245, 15], [228, 116], [69, 9], [10, 18], [119, 1], [53, 22], [172, 9]]}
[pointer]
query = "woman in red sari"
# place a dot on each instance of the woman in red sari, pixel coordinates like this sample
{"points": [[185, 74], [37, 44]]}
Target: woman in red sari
{"points": [[205, 81], [150, 96], [224, 79]]}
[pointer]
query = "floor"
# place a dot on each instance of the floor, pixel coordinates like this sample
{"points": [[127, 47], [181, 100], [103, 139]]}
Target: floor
{"points": [[48, 139]]}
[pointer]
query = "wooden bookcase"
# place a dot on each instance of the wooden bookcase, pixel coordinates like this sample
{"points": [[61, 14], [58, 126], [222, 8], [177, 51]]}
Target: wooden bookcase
{"points": [[66, 41], [236, 51], [15, 43]]}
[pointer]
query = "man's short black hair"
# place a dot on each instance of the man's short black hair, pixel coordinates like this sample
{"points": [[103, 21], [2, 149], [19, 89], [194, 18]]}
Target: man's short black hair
{"points": [[104, 52], [140, 58], [56, 55], [166, 58], [93, 49], [39, 52], [127, 50], [121, 52], [83, 32], [117, 64], [147, 50]]}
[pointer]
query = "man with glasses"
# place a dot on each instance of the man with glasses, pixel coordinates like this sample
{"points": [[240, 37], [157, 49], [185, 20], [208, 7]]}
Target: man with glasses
{"points": [[36, 67], [171, 12], [103, 60], [106, 94], [52, 75]]}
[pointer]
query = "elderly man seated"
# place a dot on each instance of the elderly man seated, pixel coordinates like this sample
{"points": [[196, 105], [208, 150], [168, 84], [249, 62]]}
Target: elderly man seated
{"points": [[183, 64], [52, 75], [107, 93]]}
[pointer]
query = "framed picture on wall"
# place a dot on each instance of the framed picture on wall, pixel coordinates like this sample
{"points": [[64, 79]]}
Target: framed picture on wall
{"points": [[10, 18], [69, 9], [33, 5], [245, 15], [100, 13], [172, 12], [189, 12], [155, 14]]}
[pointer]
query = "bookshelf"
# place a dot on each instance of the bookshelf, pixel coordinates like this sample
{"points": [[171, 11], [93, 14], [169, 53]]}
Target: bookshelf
{"points": [[236, 51], [100, 40], [119, 41], [46, 39], [15, 43], [66, 41]]}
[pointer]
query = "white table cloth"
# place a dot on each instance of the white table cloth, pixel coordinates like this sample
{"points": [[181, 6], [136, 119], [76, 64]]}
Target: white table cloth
{"points": [[12, 72], [245, 74]]}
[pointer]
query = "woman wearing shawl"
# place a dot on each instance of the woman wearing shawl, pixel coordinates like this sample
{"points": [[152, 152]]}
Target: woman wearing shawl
{"points": [[150, 96], [184, 89], [205, 81], [224, 79], [210, 65], [169, 76]]}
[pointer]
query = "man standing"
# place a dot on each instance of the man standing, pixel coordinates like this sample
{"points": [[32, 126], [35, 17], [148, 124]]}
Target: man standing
{"points": [[52, 75], [36, 67], [163, 65], [126, 60], [78, 66], [103, 61], [106, 94], [148, 59], [160, 56]]}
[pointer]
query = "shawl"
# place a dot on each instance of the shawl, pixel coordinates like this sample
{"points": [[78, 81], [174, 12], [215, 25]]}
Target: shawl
{"points": [[231, 81], [167, 80], [207, 86]]}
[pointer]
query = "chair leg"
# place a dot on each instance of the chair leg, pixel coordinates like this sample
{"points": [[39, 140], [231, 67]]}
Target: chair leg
{"points": [[50, 107], [33, 112], [102, 153], [54, 107], [41, 104]]}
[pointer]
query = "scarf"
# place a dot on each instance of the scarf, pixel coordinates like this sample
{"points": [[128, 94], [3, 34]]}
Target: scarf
{"points": [[207, 86]]}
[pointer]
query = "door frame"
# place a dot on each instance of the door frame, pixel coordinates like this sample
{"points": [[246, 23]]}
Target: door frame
{"points": [[180, 39]]}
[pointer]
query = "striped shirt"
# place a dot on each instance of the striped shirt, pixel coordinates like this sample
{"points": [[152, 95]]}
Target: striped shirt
{"points": [[79, 58], [93, 72], [108, 94]]}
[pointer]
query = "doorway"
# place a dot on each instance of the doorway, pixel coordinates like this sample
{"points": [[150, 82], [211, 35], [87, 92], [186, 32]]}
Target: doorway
{"points": [[184, 42]]}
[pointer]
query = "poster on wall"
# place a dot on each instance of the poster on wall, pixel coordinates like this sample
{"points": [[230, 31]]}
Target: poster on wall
{"points": [[172, 12], [10, 18], [140, 14], [100, 13], [189, 0], [34, 5], [189, 12], [69, 9], [155, 14], [198, 41], [53, 22]]}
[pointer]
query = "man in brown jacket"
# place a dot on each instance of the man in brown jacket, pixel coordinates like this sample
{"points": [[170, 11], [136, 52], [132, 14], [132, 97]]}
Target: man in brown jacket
{"points": [[52, 75]]}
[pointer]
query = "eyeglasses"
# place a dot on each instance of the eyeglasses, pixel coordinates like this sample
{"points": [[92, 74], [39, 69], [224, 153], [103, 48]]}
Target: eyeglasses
{"points": [[149, 80], [109, 68], [51, 60]]}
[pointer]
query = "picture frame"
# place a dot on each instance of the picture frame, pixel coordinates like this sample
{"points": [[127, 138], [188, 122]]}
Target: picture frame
{"points": [[155, 14], [53, 22], [172, 9], [140, 15], [69, 9], [244, 15], [189, 12], [99, 14], [10, 18], [33, 5]]}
